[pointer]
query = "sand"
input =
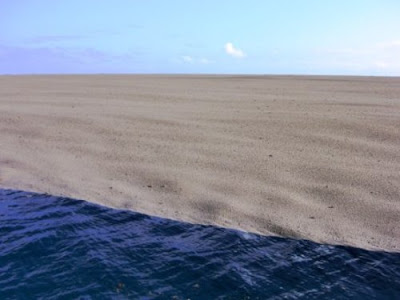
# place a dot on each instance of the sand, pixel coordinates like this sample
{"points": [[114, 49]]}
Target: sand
{"points": [[306, 157]]}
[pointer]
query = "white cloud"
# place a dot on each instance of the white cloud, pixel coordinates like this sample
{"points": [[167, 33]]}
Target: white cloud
{"points": [[204, 61], [187, 59], [194, 60], [390, 45], [234, 52], [378, 59], [381, 64]]}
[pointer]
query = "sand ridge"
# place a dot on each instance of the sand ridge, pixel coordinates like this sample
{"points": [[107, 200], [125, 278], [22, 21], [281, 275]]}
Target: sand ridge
{"points": [[313, 157]]}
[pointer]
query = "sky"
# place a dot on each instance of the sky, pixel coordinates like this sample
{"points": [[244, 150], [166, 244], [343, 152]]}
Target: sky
{"points": [[339, 37]]}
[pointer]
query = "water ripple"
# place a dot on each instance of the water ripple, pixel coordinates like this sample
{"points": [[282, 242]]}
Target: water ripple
{"points": [[53, 247]]}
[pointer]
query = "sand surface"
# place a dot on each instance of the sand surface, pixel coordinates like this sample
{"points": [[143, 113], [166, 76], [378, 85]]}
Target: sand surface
{"points": [[306, 157]]}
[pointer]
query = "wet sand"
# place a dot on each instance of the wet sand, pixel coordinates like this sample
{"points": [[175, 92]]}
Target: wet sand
{"points": [[299, 156]]}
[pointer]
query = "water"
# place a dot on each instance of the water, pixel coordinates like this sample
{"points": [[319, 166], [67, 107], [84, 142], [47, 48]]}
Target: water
{"points": [[52, 247]]}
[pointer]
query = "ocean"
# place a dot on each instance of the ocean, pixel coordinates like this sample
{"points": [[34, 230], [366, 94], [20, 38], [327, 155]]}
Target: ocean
{"points": [[61, 248]]}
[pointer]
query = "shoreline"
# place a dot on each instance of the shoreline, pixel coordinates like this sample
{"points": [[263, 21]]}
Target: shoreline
{"points": [[238, 231]]}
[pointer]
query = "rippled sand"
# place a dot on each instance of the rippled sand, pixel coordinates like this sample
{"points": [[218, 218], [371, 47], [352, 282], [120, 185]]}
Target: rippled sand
{"points": [[308, 157]]}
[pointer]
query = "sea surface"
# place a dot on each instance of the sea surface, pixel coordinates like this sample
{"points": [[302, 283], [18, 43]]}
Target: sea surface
{"points": [[60, 248]]}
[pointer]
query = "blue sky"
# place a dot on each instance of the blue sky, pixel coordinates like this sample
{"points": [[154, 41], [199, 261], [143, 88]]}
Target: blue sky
{"points": [[248, 37]]}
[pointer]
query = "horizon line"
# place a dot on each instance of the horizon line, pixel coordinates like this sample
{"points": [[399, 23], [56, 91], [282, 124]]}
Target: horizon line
{"points": [[201, 74]]}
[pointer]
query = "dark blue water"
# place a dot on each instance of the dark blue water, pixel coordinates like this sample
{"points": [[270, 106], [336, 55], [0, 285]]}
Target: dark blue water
{"points": [[53, 247]]}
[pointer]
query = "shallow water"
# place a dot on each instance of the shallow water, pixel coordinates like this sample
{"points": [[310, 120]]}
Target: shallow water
{"points": [[52, 247]]}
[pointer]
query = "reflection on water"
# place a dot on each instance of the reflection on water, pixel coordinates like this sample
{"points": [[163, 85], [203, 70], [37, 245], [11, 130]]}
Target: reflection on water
{"points": [[64, 248]]}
